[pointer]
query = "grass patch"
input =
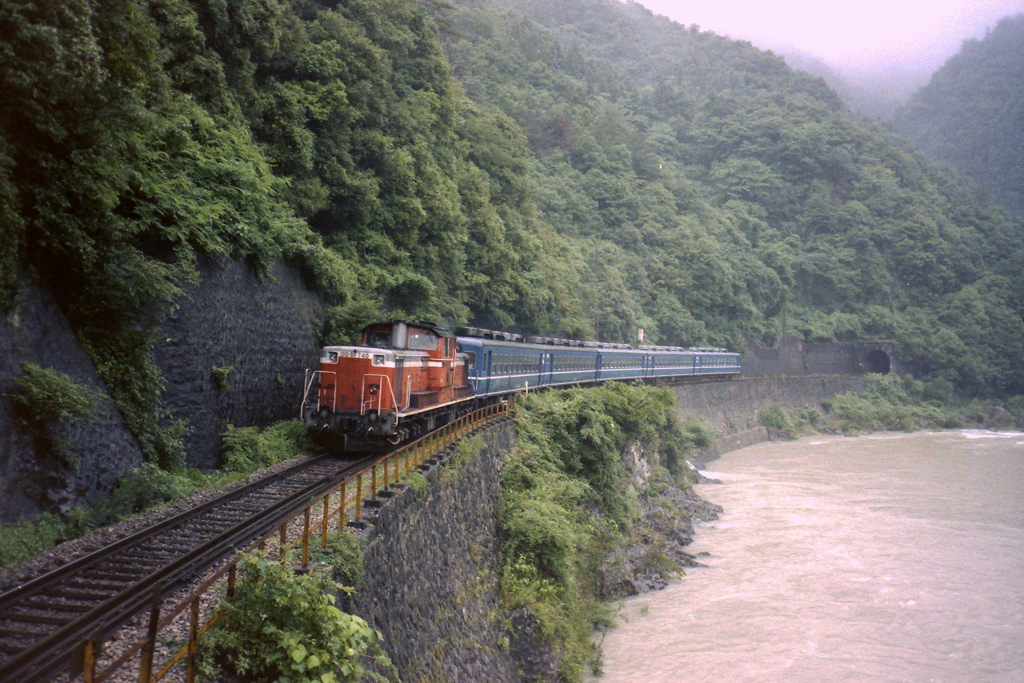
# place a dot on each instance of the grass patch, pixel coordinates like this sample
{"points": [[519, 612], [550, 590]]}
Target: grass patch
{"points": [[247, 449], [24, 539], [466, 451], [417, 482], [344, 556]]}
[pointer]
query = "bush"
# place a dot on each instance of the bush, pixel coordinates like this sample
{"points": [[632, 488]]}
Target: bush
{"points": [[344, 555], [891, 402], [885, 404], [221, 377], [284, 627], [247, 449], [43, 398], [774, 416]]}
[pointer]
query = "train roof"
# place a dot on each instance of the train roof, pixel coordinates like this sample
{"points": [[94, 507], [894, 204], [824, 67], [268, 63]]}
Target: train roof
{"points": [[439, 330], [495, 335]]}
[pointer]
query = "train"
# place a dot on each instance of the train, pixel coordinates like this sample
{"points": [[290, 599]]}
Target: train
{"points": [[405, 378]]}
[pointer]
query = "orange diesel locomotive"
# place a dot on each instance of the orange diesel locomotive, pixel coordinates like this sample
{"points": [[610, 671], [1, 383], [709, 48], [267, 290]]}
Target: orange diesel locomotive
{"points": [[392, 386]]}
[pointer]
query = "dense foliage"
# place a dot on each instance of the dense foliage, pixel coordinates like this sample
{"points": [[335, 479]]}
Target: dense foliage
{"points": [[895, 403], [283, 626], [140, 136], [578, 167], [971, 114], [713, 190], [567, 503]]}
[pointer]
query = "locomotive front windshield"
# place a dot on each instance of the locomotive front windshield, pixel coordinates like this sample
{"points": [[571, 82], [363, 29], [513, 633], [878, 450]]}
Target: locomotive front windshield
{"points": [[380, 339]]}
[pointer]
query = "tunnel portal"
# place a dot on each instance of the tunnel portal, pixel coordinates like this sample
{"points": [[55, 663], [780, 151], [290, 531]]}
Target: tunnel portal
{"points": [[877, 361]]}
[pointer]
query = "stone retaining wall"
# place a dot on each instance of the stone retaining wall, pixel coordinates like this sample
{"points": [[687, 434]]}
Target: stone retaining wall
{"points": [[432, 573], [733, 406], [262, 330], [30, 479]]}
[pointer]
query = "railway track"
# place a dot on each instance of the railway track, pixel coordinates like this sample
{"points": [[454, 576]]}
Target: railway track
{"points": [[44, 622]]}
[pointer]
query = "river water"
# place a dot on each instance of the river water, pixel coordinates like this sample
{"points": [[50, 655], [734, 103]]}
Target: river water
{"points": [[878, 558]]}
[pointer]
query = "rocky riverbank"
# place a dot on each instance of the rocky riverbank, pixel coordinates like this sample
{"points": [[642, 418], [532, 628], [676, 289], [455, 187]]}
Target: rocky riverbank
{"points": [[658, 548]]}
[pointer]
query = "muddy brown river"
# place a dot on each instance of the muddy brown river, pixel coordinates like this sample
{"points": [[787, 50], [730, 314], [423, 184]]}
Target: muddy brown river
{"points": [[890, 557]]}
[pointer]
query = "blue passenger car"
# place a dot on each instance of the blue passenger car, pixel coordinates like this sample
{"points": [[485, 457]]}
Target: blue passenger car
{"points": [[501, 363]]}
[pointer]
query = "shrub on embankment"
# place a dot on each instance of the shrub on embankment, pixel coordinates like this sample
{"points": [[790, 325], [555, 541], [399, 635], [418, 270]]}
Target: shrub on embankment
{"points": [[569, 501], [895, 403], [284, 626]]}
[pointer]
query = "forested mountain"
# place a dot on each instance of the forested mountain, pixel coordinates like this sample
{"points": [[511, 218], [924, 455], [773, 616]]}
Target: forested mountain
{"points": [[577, 167], [971, 114], [717, 190], [139, 135]]}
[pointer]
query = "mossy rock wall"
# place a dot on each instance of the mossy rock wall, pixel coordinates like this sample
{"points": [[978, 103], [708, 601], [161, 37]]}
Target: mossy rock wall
{"points": [[31, 478], [236, 351], [432, 578], [263, 330]]}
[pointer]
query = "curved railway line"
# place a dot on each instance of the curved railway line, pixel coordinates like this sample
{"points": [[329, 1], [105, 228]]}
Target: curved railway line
{"points": [[44, 622], [57, 624]]}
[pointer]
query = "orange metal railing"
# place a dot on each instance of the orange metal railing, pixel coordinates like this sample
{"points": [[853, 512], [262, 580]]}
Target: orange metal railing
{"points": [[340, 505]]}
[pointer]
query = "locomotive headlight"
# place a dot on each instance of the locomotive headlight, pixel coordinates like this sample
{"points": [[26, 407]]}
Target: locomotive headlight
{"points": [[373, 389], [378, 359], [332, 357]]}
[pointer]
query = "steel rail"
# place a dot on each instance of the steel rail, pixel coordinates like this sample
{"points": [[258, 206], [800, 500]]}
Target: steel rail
{"points": [[75, 645], [58, 575], [57, 651]]}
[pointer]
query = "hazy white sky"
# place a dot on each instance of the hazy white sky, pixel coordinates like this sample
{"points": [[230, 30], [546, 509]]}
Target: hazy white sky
{"points": [[864, 35]]}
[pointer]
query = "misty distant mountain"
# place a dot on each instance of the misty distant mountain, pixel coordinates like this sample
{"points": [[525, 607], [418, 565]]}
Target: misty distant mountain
{"points": [[971, 114], [875, 94]]}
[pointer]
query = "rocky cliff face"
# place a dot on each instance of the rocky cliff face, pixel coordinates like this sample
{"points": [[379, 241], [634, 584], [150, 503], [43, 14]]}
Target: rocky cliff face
{"points": [[260, 333], [32, 481]]}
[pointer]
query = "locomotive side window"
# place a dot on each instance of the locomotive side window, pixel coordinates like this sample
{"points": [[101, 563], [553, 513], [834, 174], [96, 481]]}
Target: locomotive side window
{"points": [[423, 341], [380, 340]]}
